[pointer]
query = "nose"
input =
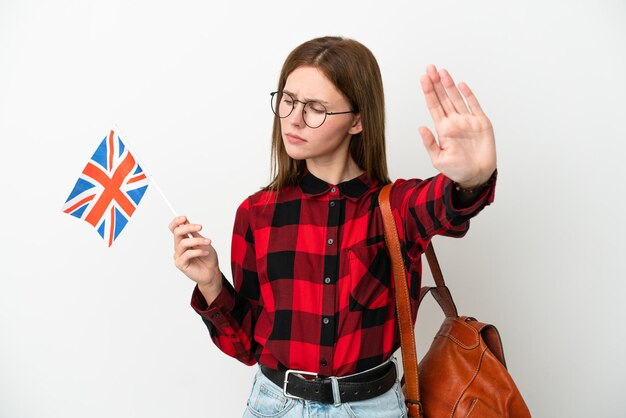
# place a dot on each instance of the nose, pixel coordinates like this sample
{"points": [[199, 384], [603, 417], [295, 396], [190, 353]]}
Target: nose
{"points": [[297, 115]]}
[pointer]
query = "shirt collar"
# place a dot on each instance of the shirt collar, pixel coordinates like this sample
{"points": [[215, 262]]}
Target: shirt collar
{"points": [[354, 188]]}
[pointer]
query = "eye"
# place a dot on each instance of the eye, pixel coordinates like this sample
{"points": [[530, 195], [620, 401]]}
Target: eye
{"points": [[317, 107]]}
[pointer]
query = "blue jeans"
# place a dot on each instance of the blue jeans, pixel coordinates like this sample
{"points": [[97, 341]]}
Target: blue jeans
{"points": [[268, 401]]}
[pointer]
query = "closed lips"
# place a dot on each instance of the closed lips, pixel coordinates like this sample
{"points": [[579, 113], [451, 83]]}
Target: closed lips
{"points": [[294, 137]]}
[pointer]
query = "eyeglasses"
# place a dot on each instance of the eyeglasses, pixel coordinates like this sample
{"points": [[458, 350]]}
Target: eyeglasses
{"points": [[313, 113]]}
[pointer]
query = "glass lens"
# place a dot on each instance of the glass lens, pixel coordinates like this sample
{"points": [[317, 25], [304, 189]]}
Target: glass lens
{"points": [[282, 104], [314, 114]]}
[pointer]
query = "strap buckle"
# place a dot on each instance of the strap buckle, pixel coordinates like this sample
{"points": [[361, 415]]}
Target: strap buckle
{"points": [[291, 371], [418, 404]]}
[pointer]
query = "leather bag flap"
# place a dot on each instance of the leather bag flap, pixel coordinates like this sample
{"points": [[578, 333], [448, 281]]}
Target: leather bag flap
{"points": [[457, 330], [490, 336]]}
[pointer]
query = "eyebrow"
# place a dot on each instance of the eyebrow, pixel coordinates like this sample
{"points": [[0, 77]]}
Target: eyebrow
{"points": [[307, 99]]}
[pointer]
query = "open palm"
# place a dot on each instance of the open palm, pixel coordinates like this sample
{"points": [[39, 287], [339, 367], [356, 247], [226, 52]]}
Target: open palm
{"points": [[464, 150]]}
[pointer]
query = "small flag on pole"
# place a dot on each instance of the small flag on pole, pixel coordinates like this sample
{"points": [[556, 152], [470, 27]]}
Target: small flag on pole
{"points": [[108, 190]]}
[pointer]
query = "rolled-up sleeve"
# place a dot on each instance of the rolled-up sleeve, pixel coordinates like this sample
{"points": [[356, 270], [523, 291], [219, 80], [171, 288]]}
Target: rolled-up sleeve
{"points": [[426, 208]]}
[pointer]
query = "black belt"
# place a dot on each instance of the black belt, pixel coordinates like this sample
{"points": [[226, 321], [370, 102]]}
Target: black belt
{"points": [[357, 387]]}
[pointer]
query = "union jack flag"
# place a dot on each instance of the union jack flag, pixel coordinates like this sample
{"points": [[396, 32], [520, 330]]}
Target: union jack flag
{"points": [[108, 190]]}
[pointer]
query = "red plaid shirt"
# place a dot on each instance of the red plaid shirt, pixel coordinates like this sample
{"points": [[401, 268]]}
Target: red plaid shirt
{"points": [[312, 283]]}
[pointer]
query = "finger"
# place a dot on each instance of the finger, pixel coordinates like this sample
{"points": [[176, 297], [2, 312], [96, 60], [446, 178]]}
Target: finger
{"points": [[179, 220], [472, 101], [187, 243], [183, 230], [453, 92], [183, 260], [446, 104], [174, 227], [432, 102], [429, 142]]}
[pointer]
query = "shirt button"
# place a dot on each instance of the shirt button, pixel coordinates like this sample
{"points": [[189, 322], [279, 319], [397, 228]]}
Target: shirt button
{"points": [[324, 363], [325, 321], [330, 241], [333, 190], [327, 280], [332, 204]]}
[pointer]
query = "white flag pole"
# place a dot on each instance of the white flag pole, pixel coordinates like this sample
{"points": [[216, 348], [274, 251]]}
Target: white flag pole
{"points": [[145, 170]]}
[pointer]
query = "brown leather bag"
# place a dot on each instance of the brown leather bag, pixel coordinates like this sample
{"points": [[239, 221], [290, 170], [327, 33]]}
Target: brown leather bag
{"points": [[463, 374]]}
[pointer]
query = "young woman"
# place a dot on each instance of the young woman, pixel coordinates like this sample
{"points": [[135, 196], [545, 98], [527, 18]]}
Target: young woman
{"points": [[312, 301]]}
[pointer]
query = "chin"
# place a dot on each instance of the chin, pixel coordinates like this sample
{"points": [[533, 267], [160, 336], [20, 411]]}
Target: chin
{"points": [[296, 154]]}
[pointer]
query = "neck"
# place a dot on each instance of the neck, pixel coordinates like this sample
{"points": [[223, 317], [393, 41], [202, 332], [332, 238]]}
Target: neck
{"points": [[334, 172]]}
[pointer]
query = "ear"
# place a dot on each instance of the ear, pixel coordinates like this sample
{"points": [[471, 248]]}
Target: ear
{"points": [[357, 126]]}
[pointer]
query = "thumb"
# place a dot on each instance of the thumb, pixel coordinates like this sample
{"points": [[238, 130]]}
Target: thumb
{"points": [[429, 142]]}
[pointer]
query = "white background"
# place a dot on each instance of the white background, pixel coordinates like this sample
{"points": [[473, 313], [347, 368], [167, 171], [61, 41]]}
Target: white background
{"points": [[87, 331]]}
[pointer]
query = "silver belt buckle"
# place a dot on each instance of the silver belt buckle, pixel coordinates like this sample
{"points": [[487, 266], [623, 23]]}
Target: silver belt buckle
{"points": [[291, 371]]}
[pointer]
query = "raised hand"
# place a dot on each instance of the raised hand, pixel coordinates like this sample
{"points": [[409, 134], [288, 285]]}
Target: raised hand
{"points": [[195, 256], [465, 149]]}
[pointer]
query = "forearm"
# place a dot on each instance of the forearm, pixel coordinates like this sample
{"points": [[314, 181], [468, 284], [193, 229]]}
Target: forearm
{"points": [[231, 333], [431, 207]]}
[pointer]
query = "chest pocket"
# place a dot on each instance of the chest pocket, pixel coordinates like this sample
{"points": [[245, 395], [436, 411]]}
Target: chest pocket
{"points": [[370, 277]]}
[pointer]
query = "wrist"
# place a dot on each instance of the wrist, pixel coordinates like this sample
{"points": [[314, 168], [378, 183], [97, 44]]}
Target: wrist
{"points": [[473, 187], [210, 291], [214, 282]]}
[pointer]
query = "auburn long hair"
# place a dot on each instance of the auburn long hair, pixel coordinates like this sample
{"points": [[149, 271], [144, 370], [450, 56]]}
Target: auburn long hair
{"points": [[353, 69]]}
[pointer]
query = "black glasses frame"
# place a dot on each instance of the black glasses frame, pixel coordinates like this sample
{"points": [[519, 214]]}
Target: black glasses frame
{"points": [[293, 106]]}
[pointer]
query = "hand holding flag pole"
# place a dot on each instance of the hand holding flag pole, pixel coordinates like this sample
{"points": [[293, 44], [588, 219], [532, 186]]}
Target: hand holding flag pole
{"points": [[106, 195]]}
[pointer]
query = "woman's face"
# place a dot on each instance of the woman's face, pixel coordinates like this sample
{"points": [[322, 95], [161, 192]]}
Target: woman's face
{"points": [[330, 141]]}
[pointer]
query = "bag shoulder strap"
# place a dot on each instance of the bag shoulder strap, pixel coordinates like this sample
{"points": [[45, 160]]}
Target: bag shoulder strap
{"points": [[403, 306], [441, 293]]}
